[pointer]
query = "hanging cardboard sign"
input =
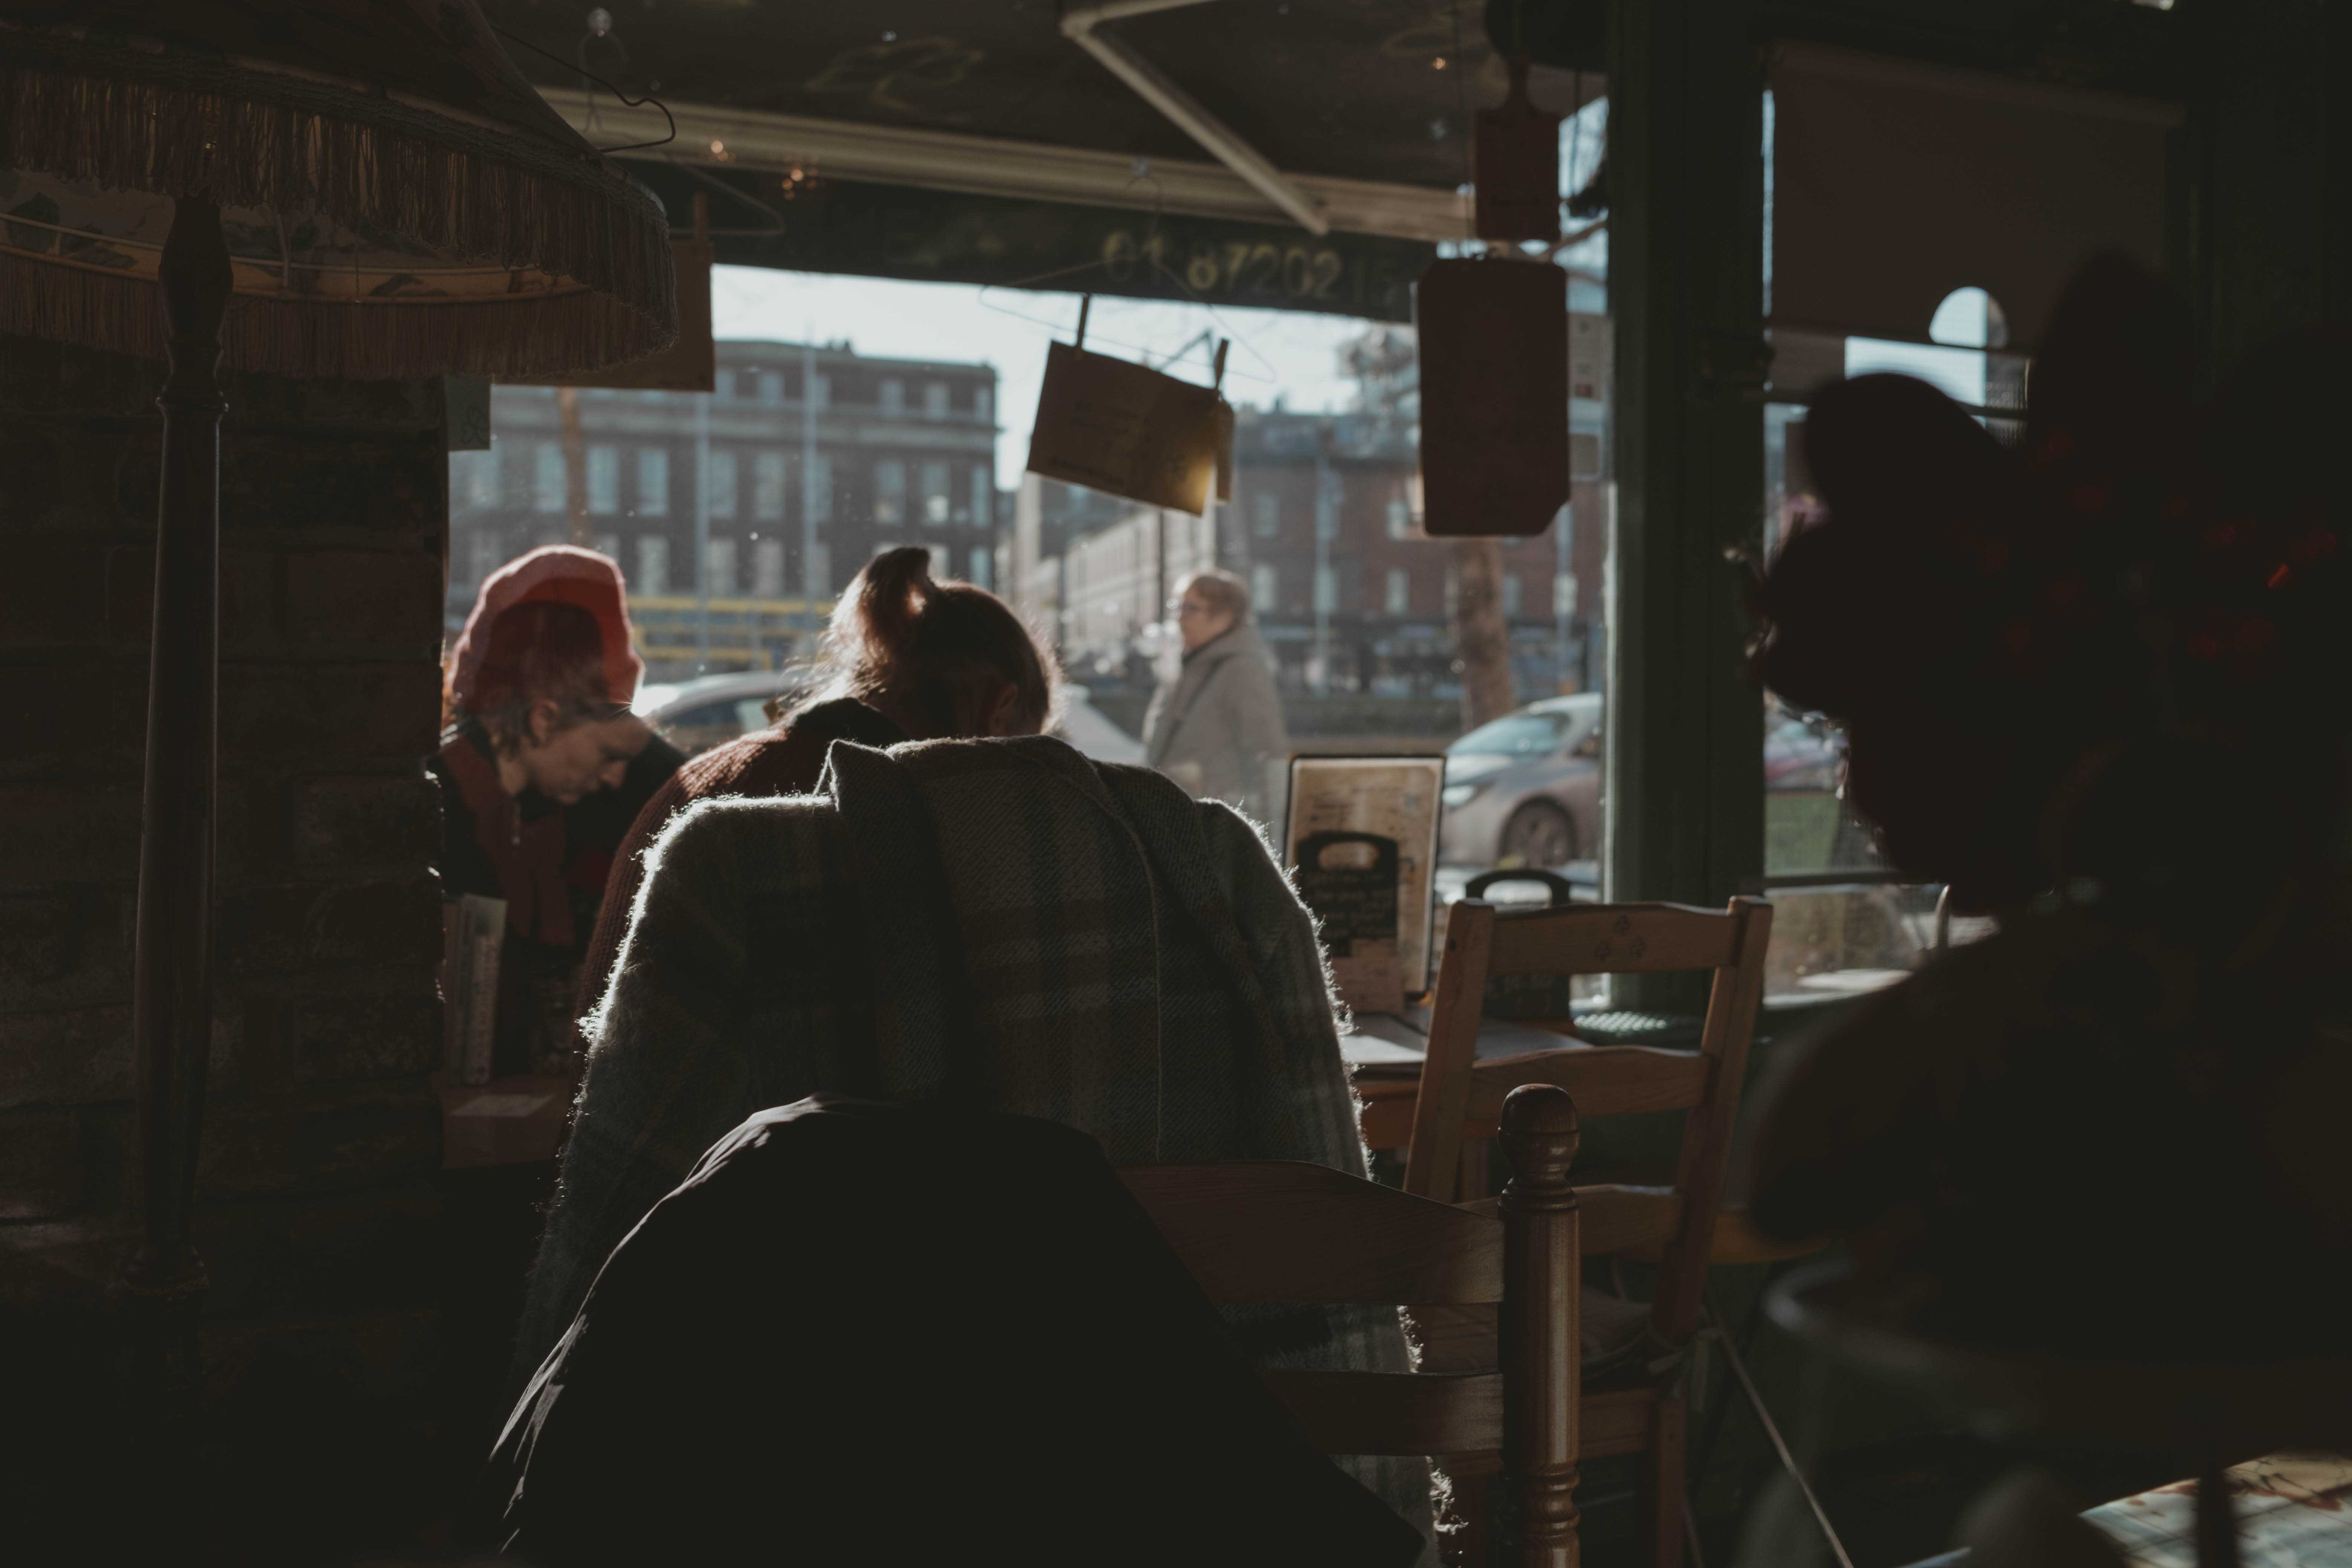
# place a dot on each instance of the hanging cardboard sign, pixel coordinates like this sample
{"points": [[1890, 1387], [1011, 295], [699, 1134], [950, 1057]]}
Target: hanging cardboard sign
{"points": [[1129, 431], [1493, 396]]}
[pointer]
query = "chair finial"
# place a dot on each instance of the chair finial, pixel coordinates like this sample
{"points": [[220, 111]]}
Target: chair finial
{"points": [[1540, 1135]]}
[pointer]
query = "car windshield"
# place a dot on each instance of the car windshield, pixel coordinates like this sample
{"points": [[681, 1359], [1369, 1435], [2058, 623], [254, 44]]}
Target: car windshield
{"points": [[1515, 735]]}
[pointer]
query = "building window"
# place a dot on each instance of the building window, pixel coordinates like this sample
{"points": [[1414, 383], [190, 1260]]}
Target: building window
{"points": [[820, 484], [982, 563], [1266, 508], [819, 581], [767, 487], [604, 480], [894, 396], [935, 400], [1400, 519], [935, 493], [652, 481], [1262, 586], [719, 557], [772, 387], [482, 481], [820, 389], [983, 497], [653, 567], [889, 492], [607, 546], [981, 403], [1400, 591], [547, 478], [768, 568], [1327, 590], [722, 484], [722, 383], [1512, 593], [484, 554]]}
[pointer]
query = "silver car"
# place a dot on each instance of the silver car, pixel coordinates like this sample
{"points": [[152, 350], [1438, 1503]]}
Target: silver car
{"points": [[1525, 790]]}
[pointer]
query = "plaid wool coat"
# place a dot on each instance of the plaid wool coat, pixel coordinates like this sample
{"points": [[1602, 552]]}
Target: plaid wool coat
{"points": [[1000, 922]]}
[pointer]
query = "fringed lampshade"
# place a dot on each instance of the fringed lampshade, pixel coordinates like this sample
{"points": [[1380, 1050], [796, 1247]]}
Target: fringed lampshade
{"points": [[356, 189], [396, 200]]}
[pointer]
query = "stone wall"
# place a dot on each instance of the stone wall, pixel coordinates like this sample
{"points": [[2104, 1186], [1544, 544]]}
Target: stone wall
{"points": [[321, 1141]]}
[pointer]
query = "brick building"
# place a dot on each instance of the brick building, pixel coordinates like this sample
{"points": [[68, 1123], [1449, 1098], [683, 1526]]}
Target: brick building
{"points": [[898, 452]]}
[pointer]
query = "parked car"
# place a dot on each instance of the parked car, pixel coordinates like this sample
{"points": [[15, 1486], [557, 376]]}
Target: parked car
{"points": [[712, 710], [1525, 790], [698, 714]]}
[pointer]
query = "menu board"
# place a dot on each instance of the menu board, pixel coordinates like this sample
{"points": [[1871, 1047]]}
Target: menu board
{"points": [[1361, 844]]}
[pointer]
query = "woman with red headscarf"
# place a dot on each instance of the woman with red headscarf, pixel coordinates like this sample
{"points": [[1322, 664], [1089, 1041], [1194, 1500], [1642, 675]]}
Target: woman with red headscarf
{"points": [[541, 769]]}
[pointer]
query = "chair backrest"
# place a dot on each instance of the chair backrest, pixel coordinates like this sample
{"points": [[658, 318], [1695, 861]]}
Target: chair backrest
{"points": [[1284, 1233], [1674, 1225]]}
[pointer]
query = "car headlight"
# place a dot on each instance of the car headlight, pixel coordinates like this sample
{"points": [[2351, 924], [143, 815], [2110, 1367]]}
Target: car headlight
{"points": [[1460, 794]]}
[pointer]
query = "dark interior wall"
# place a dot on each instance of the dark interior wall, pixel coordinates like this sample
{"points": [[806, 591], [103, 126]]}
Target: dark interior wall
{"points": [[322, 1139]]}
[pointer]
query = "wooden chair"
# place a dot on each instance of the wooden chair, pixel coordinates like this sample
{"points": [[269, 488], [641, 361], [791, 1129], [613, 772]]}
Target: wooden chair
{"points": [[1280, 1232], [1674, 1227]]}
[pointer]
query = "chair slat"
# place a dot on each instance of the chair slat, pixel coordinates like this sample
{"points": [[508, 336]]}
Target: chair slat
{"points": [[1615, 939], [1617, 1420], [1393, 1413], [1318, 1235], [1628, 1222], [1603, 1080]]}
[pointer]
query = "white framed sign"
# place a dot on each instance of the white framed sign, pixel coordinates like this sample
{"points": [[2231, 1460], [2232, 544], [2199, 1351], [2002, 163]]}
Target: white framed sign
{"points": [[1361, 843]]}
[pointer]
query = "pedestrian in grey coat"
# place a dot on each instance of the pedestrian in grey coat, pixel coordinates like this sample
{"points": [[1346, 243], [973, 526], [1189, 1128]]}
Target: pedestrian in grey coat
{"points": [[1217, 729]]}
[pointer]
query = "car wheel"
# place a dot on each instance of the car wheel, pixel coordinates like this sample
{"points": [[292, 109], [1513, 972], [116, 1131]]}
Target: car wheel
{"points": [[1540, 836]]}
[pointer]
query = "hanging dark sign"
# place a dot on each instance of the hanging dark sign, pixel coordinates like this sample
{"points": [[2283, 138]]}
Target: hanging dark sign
{"points": [[1493, 396]]}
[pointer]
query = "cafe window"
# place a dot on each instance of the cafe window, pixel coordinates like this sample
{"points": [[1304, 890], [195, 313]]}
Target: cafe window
{"points": [[652, 481]]}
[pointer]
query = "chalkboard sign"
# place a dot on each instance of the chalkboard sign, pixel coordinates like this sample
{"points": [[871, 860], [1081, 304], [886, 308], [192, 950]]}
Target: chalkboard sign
{"points": [[941, 237], [1349, 880]]}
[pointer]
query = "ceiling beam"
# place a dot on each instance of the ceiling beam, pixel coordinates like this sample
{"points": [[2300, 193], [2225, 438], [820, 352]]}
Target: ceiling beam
{"points": [[1155, 88], [989, 166]]}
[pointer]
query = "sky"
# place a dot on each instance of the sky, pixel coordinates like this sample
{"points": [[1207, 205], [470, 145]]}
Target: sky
{"points": [[1287, 353]]}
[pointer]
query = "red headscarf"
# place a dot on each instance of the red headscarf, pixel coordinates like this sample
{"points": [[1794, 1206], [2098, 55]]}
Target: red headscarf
{"points": [[566, 574]]}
